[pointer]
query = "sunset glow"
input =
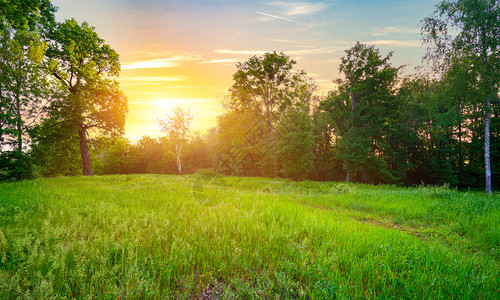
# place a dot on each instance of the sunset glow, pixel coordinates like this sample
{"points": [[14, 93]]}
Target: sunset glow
{"points": [[183, 53]]}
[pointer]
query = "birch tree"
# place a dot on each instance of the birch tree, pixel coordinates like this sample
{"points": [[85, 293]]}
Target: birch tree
{"points": [[469, 30]]}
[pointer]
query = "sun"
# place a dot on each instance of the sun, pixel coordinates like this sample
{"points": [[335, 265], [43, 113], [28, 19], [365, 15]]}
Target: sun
{"points": [[144, 114]]}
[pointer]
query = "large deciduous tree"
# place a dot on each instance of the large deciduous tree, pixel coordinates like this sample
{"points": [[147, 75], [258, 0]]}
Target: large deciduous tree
{"points": [[365, 112], [86, 67], [267, 85], [475, 39]]}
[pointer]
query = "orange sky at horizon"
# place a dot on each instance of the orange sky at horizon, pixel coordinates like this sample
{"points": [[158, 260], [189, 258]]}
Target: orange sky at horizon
{"points": [[158, 85], [184, 53]]}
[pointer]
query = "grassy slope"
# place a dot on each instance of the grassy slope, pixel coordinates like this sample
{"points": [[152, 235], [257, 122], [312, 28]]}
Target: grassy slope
{"points": [[167, 236]]}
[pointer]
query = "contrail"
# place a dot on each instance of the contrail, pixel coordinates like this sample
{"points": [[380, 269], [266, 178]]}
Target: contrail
{"points": [[278, 17]]}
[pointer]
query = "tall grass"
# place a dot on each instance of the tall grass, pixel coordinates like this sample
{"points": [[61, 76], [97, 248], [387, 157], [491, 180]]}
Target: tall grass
{"points": [[225, 237]]}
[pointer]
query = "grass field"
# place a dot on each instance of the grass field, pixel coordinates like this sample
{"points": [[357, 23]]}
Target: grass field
{"points": [[210, 237]]}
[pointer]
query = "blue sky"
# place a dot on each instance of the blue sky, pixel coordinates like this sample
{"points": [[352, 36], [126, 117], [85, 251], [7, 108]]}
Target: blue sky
{"points": [[183, 53]]}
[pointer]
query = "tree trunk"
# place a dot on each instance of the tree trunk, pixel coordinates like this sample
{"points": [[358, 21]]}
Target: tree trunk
{"points": [[19, 124], [353, 100], [485, 79], [19, 127], [273, 150], [487, 164], [84, 149], [1, 121], [269, 112], [179, 163], [460, 158], [351, 125]]}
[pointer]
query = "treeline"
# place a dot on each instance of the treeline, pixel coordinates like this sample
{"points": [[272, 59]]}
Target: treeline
{"points": [[376, 126]]}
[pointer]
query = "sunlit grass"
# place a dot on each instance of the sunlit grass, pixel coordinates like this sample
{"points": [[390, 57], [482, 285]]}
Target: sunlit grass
{"points": [[193, 236]]}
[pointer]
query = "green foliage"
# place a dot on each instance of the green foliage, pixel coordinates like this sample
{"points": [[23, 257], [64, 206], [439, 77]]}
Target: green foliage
{"points": [[204, 235], [116, 155], [266, 83], [295, 144], [85, 67], [241, 142], [264, 88], [476, 45], [23, 92], [54, 150], [363, 110], [15, 165], [27, 14]]}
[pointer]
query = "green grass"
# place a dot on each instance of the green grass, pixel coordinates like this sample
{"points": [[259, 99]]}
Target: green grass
{"points": [[196, 236]]}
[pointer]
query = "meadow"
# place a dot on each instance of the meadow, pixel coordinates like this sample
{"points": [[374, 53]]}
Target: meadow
{"points": [[206, 236]]}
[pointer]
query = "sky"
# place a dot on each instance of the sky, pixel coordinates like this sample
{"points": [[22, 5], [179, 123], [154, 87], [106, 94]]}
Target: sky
{"points": [[184, 52]]}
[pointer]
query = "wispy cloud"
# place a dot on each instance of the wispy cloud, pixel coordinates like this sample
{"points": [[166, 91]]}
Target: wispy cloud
{"points": [[218, 61], [328, 61], [294, 8], [240, 52], [398, 43], [277, 17], [377, 31], [307, 51], [286, 41], [153, 78], [160, 62], [150, 64], [324, 50]]}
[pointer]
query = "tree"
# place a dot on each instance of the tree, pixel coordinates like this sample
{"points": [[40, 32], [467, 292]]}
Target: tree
{"points": [[364, 109], [85, 67], [477, 42], [269, 85], [22, 83], [176, 126], [23, 87], [265, 86]]}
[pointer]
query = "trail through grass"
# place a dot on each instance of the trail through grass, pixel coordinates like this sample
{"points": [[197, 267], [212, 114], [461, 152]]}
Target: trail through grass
{"points": [[202, 235]]}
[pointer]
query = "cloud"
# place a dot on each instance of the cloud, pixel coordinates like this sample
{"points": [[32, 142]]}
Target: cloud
{"points": [[154, 78], [277, 17], [150, 64], [284, 41], [390, 30], [217, 61], [160, 62], [328, 61], [240, 52], [308, 51], [300, 8], [398, 43], [325, 50]]}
